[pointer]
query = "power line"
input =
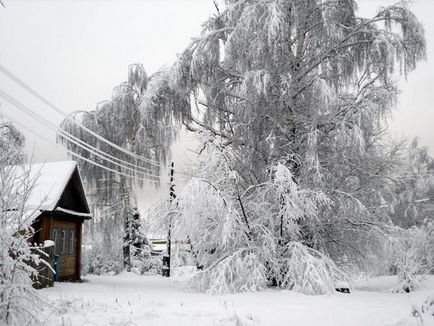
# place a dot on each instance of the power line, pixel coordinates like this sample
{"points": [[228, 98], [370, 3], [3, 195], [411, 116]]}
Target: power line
{"points": [[114, 206], [68, 136], [79, 124], [92, 151], [75, 154], [134, 166], [114, 212], [149, 177]]}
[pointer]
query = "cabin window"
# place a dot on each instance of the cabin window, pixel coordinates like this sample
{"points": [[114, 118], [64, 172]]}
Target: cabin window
{"points": [[54, 238], [62, 242], [71, 242]]}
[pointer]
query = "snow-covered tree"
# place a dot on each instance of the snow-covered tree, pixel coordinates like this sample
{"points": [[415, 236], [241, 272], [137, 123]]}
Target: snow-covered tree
{"points": [[122, 121], [19, 302], [412, 256], [142, 261], [300, 80], [244, 237], [141, 246], [409, 253], [119, 121], [306, 86], [11, 141], [414, 189]]}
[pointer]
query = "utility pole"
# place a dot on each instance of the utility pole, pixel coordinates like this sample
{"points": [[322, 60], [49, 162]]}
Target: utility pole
{"points": [[172, 196], [127, 232]]}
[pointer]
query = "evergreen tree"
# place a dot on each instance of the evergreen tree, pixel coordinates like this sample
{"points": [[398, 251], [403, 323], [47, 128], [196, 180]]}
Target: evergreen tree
{"points": [[141, 246]]}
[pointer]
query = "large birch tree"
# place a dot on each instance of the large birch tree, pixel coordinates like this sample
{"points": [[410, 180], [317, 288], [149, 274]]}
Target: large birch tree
{"points": [[295, 96]]}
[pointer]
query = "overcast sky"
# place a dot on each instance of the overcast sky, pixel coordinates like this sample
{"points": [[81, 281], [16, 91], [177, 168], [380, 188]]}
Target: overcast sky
{"points": [[75, 52]]}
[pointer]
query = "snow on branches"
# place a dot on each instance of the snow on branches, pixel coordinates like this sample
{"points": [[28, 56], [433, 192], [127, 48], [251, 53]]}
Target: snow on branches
{"points": [[244, 237], [411, 256], [309, 271], [19, 259], [306, 86]]}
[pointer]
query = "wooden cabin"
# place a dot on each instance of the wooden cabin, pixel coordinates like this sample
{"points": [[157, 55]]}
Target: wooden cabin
{"points": [[61, 210]]}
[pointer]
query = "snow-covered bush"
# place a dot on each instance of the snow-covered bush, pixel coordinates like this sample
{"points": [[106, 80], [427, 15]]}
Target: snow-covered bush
{"points": [[98, 263], [411, 256], [100, 259], [148, 266], [238, 272], [182, 255], [20, 303], [424, 312], [421, 314]]}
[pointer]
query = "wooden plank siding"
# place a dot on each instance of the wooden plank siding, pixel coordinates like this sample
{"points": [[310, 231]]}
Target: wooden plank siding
{"points": [[78, 254], [70, 260], [69, 257]]}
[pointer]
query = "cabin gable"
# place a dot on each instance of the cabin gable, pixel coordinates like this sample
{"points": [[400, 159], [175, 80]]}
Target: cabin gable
{"points": [[73, 197]]}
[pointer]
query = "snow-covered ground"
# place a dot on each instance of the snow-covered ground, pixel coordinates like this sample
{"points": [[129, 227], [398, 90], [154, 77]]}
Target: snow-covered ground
{"points": [[130, 299]]}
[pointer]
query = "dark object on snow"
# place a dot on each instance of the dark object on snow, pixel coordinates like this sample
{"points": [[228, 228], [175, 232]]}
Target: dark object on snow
{"points": [[165, 270], [343, 290], [407, 289], [56, 267]]}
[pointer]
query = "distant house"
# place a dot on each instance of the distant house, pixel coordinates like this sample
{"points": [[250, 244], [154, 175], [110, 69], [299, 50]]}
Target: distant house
{"points": [[60, 210], [159, 246]]}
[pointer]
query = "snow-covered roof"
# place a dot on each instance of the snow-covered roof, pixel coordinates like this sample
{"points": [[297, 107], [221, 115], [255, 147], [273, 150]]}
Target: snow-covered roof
{"points": [[49, 181]]}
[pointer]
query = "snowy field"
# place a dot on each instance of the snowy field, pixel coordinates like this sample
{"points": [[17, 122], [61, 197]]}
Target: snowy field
{"points": [[130, 299]]}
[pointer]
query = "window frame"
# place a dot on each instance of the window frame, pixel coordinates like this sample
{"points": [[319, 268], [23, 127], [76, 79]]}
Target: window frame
{"points": [[71, 242], [54, 238], [62, 242]]}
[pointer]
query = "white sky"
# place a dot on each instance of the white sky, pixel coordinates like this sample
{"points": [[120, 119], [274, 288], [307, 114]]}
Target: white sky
{"points": [[75, 52]]}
